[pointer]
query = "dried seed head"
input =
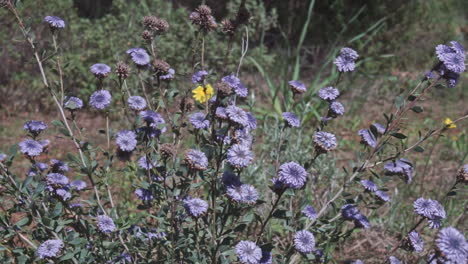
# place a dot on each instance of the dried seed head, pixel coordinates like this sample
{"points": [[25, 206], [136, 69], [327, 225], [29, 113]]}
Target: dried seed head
{"points": [[223, 89], [147, 36], [462, 175], [186, 104], [155, 24], [228, 27], [122, 70], [161, 67], [167, 150], [243, 16], [204, 10]]}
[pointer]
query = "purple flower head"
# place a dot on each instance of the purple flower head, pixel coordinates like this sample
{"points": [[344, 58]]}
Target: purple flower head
{"points": [[379, 128], [199, 76], [361, 221], [325, 141], [455, 62], [382, 195], [367, 138], [3, 156], [394, 260], [39, 166], [297, 87], [346, 60], [243, 137], [54, 22], [239, 156], [131, 50], [241, 90], [336, 109], [140, 57], [100, 99], [30, 147], [196, 160], [328, 93], [146, 164], [199, 121], [292, 175], [291, 119], [443, 50], [169, 76], [221, 113], [231, 80], [304, 241], [105, 224], [73, 103], [44, 143], [266, 258], [35, 127], [416, 242], [78, 185], [151, 117], [453, 245], [126, 140], [237, 115], [195, 207], [244, 193], [57, 179], [349, 212], [252, 121], [59, 166], [248, 252], [230, 179], [100, 70], [457, 47], [400, 167], [49, 249], [63, 193], [424, 207], [144, 194], [369, 185], [310, 212], [136, 103]]}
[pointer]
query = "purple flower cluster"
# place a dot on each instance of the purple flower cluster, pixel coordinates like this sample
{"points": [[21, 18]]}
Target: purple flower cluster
{"points": [[292, 175], [144, 194], [239, 156], [304, 241], [100, 99], [451, 62], [324, 141], [345, 61], [59, 166], [73, 103], [195, 207], [415, 241], [54, 22], [310, 212], [100, 70], [126, 140], [350, 212], [291, 119], [237, 116], [248, 252], [35, 127], [196, 160], [50, 249], [199, 121], [297, 87], [146, 163], [136, 103], [243, 193], [30, 147], [139, 56], [432, 210], [400, 167], [453, 245], [199, 77], [370, 186], [105, 224], [239, 88]]}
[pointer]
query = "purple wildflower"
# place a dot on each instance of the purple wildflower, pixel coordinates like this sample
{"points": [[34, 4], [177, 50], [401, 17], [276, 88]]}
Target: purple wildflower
{"points": [[146, 164], [291, 119], [64, 194], [151, 118], [336, 109], [59, 166], [237, 115], [297, 87], [73, 103], [199, 76], [251, 121], [394, 260], [100, 99], [379, 128], [100, 70], [195, 206], [455, 62], [3, 156], [54, 22], [50, 248], [304, 241], [416, 241], [452, 243], [199, 121], [292, 175], [325, 141], [30, 147], [349, 211], [78, 185], [140, 57], [400, 167], [105, 224], [35, 127], [136, 103], [169, 76], [361, 220], [248, 252], [382, 195], [328, 93], [367, 138], [57, 179], [126, 140], [131, 50], [244, 193], [357, 261], [346, 60], [369, 185], [235, 83], [196, 160], [310, 212], [144, 194], [243, 136], [239, 156], [221, 113]]}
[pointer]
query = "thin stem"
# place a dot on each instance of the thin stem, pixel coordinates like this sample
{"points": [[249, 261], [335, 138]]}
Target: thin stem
{"points": [[270, 214], [144, 90]]}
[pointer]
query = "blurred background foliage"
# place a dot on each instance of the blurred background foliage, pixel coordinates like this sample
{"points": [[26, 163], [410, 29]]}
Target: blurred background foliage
{"points": [[391, 36]]}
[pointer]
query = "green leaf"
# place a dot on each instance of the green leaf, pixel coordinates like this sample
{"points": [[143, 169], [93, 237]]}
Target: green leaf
{"points": [[418, 149], [398, 135], [22, 222], [57, 210], [417, 109]]}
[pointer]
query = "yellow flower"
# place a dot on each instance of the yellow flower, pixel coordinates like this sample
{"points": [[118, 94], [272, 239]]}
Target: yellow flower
{"points": [[449, 123], [203, 94]]}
